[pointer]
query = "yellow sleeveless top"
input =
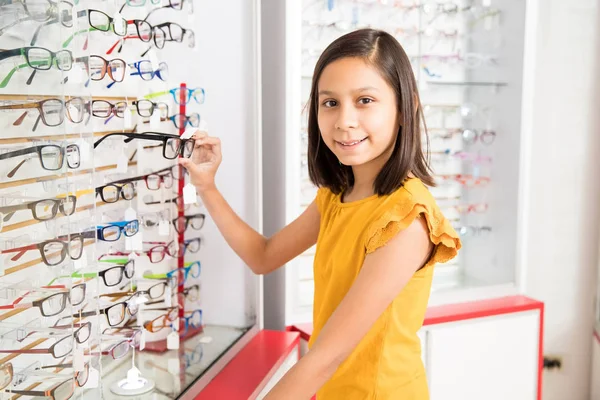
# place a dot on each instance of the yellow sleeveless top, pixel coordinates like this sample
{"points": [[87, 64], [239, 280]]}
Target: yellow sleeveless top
{"points": [[386, 364]]}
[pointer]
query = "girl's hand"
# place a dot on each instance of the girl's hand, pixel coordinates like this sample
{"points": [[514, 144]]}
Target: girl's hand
{"points": [[205, 161]]}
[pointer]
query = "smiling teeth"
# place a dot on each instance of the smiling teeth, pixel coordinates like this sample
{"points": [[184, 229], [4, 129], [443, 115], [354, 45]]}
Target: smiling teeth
{"points": [[351, 143]]}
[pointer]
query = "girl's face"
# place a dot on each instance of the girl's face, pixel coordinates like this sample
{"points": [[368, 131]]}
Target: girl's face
{"points": [[357, 112]]}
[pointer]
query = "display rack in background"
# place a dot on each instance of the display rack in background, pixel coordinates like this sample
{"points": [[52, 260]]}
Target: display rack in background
{"points": [[96, 233], [467, 58]]}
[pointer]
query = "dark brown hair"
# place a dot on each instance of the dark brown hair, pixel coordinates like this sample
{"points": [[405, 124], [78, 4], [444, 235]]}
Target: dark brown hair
{"points": [[381, 50]]}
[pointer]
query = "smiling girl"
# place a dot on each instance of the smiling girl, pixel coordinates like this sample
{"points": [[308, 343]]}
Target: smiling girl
{"points": [[378, 230]]}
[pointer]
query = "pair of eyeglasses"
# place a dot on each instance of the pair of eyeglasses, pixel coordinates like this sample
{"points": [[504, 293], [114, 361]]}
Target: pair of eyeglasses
{"points": [[191, 269], [111, 276], [38, 58], [175, 249], [153, 180], [144, 70], [115, 314], [178, 201], [41, 210], [98, 67], [51, 157], [153, 292], [468, 230], [192, 293], [52, 112], [99, 21], [182, 96], [51, 305], [81, 377], [121, 348], [469, 136], [163, 321], [182, 120], [61, 391], [144, 32], [466, 180], [105, 109], [112, 232], [176, 33], [173, 4], [81, 334], [193, 320], [470, 208], [145, 108], [60, 349], [112, 192], [42, 11], [182, 223], [463, 155], [173, 145], [53, 251]]}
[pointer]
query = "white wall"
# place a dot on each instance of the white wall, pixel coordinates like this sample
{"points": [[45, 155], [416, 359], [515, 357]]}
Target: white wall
{"points": [[563, 200]]}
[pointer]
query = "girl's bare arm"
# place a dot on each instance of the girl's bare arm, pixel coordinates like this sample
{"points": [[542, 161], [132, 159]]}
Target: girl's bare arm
{"points": [[261, 254]]}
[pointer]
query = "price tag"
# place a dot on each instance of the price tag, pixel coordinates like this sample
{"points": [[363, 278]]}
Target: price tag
{"points": [[163, 228], [127, 118], [122, 163], [205, 339], [76, 74], [189, 194], [203, 125], [173, 341], [188, 133], [93, 379], [130, 214], [78, 363], [155, 120]]}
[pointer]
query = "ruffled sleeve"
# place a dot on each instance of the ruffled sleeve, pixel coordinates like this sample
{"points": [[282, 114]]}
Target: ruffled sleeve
{"points": [[401, 214]]}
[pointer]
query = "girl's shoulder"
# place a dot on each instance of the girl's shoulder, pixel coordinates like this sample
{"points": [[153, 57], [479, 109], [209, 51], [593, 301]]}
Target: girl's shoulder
{"points": [[412, 200]]}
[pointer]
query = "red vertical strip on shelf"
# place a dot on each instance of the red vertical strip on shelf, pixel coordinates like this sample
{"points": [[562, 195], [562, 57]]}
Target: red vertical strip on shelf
{"points": [[181, 206]]}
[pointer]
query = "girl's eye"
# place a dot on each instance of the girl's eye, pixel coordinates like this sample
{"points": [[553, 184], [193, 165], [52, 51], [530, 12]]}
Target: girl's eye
{"points": [[365, 100], [329, 103]]}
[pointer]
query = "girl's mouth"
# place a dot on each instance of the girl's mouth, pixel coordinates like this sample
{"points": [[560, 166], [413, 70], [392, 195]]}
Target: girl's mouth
{"points": [[351, 143]]}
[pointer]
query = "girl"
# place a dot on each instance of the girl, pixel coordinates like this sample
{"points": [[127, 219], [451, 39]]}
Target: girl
{"points": [[377, 228]]}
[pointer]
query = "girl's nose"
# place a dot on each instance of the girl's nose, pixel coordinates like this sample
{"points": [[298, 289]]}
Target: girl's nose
{"points": [[347, 118]]}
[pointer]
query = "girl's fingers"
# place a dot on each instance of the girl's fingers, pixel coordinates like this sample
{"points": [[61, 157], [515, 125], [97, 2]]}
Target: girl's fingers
{"points": [[199, 134]]}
